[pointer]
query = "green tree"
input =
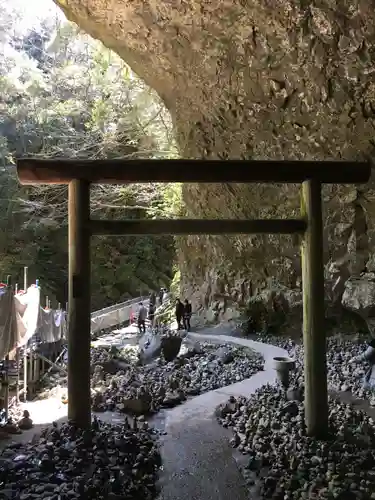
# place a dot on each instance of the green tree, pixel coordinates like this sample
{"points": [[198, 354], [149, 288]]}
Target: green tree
{"points": [[63, 94]]}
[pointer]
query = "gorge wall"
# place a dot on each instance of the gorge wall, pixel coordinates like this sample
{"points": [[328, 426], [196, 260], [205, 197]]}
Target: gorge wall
{"points": [[256, 79]]}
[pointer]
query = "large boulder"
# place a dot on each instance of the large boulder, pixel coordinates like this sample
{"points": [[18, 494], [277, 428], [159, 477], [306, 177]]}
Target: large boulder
{"points": [[255, 80], [170, 346], [359, 295], [150, 345], [153, 345]]}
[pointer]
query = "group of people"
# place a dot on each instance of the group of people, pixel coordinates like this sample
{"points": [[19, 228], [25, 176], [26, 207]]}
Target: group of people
{"points": [[183, 314]]}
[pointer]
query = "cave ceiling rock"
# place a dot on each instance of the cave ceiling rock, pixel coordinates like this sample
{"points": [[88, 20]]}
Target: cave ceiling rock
{"points": [[252, 79]]}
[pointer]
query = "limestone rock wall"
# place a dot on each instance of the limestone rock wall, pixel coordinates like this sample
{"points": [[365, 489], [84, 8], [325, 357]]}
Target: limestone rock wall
{"points": [[256, 79]]}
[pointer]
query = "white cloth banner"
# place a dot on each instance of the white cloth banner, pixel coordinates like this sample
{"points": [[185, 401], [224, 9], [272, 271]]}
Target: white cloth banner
{"points": [[27, 312], [8, 323]]}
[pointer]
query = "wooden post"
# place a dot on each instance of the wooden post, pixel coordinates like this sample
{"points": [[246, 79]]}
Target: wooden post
{"points": [[17, 360], [18, 375], [35, 371], [314, 334], [79, 335], [6, 391], [30, 363], [25, 269]]}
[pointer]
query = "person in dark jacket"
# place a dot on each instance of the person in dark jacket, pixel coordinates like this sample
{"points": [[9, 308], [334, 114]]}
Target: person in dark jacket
{"points": [[153, 298], [179, 313], [151, 313], [187, 315], [142, 315]]}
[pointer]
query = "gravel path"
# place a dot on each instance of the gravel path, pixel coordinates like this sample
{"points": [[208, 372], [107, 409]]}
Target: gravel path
{"points": [[198, 460]]}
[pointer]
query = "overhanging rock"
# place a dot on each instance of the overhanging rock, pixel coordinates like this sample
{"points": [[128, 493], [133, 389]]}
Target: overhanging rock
{"points": [[253, 79]]}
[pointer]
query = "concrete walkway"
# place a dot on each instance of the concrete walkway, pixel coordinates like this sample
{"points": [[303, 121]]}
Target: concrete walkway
{"points": [[198, 460]]}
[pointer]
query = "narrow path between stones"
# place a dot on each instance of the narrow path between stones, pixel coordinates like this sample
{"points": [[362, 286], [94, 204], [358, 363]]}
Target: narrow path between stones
{"points": [[197, 457], [198, 461]]}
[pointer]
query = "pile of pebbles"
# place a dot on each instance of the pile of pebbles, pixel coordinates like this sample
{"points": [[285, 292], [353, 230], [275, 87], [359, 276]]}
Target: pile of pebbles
{"points": [[107, 357], [144, 389], [343, 376], [65, 463], [102, 355], [282, 463]]}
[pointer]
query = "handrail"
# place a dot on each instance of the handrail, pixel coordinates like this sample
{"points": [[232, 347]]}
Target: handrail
{"points": [[109, 309]]}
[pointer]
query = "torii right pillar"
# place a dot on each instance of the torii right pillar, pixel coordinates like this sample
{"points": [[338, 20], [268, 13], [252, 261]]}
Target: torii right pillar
{"points": [[314, 328]]}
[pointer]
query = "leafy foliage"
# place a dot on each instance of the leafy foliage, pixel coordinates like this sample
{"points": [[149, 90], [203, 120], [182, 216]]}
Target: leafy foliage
{"points": [[63, 94]]}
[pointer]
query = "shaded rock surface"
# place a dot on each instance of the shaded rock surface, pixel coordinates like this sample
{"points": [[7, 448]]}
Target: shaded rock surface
{"points": [[359, 297], [278, 310], [112, 462]]}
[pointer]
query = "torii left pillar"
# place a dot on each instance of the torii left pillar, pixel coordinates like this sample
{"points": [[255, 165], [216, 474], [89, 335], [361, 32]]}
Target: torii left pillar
{"points": [[79, 317]]}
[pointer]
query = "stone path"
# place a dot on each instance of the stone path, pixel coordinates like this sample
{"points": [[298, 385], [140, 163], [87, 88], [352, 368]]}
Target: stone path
{"points": [[198, 460]]}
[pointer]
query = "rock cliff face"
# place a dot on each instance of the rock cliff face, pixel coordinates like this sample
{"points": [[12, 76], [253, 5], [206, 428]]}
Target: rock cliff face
{"points": [[256, 79]]}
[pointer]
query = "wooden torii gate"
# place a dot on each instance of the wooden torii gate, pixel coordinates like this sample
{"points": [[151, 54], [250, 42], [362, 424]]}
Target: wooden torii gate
{"points": [[80, 174]]}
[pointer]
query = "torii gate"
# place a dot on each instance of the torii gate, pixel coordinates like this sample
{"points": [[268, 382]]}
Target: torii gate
{"points": [[80, 174]]}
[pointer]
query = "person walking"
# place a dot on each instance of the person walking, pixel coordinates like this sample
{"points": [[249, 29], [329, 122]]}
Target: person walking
{"points": [[179, 313], [151, 313], [187, 315], [142, 315]]}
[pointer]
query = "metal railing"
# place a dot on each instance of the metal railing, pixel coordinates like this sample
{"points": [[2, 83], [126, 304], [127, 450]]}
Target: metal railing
{"points": [[115, 307]]}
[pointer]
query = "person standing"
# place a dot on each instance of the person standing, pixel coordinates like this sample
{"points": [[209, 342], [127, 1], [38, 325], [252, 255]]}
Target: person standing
{"points": [[187, 315], [142, 315], [161, 293], [179, 313], [151, 313]]}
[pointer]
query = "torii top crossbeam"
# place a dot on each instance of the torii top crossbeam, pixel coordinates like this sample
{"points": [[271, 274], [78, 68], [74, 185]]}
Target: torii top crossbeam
{"points": [[62, 171]]}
